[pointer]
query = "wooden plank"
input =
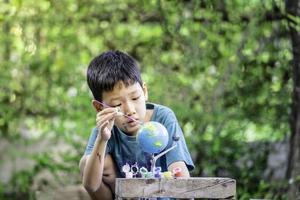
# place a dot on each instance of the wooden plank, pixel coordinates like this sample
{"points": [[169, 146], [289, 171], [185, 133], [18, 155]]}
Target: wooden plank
{"points": [[212, 188]]}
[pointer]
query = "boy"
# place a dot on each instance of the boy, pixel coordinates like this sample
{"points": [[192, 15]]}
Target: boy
{"points": [[115, 82]]}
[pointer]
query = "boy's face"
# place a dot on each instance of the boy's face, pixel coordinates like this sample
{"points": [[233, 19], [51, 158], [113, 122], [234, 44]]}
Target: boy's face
{"points": [[131, 101]]}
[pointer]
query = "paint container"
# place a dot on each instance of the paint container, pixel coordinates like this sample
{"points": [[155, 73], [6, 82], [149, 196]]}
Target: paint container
{"points": [[144, 172], [157, 175], [157, 172], [177, 172], [128, 175], [126, 168], [149, 175], [134, 169], [167, 174]]}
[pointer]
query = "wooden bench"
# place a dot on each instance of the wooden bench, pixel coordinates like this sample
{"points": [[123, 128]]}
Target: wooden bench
{"points": [[210, 188]]}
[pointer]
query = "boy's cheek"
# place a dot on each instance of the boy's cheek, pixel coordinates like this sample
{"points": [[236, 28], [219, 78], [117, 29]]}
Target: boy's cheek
{"points": [[119, 123]]}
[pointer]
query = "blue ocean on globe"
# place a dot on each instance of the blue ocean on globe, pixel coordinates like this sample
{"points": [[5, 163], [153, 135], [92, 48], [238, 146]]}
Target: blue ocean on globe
{"points": [[152, 137]]}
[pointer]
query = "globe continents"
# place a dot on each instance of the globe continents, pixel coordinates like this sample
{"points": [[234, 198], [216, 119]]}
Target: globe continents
{"points": [[152, 137]]}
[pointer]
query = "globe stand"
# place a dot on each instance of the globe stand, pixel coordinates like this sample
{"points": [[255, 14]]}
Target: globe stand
{"points": [[155, 158]]}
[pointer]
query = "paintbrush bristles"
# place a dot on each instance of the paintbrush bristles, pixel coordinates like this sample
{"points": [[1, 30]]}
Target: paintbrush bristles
{"points": [[119, 113]]}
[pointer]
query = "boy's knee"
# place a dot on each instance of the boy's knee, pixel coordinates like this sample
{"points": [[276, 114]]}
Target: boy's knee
{"points": [[109, 173], [110, 181]]}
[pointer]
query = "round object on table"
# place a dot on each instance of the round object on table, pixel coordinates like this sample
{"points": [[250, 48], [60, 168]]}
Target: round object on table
{"points": [[152, 137]]}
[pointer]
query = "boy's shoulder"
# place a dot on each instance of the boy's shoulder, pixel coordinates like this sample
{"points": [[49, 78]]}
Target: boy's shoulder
{"points": [[161, 113], [159, 108]]}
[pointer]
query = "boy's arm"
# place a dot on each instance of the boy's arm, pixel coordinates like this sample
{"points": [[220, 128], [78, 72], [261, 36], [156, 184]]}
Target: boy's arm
{"points": [[92, 170], [108, 179]]}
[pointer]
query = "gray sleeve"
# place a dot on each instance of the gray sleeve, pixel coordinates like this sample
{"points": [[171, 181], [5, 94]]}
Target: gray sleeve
{"points": [[179, 153]]}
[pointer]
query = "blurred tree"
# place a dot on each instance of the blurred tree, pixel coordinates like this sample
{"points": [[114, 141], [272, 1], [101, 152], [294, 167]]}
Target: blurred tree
{"points": [[293, 171], [223, 66], [6, 57]]}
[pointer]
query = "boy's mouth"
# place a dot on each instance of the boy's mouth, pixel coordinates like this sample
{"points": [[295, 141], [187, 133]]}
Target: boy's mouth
{"points": [[131, 121], [130, 124]]}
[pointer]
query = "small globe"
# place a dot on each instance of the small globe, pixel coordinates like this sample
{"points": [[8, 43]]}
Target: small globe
{"points": [[152, 137]]}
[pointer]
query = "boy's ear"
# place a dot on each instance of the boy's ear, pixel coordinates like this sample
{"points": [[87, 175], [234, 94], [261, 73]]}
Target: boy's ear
{"points": [[97, 105], [145, 91]]}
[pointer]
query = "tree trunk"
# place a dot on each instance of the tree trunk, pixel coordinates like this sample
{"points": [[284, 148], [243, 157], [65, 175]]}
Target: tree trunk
{"points": [[293, 170]]}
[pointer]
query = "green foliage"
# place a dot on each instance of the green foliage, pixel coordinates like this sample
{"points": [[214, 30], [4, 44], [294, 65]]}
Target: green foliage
{"points": [[21, 183], [222, 66]]}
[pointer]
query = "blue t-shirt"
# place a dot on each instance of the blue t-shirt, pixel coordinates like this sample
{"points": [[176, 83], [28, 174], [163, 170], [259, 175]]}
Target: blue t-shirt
{"points": [[124, 149]]}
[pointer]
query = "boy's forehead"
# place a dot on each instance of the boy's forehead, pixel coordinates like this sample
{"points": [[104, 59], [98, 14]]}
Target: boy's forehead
{"points": [[121, 89], [121, 85]]}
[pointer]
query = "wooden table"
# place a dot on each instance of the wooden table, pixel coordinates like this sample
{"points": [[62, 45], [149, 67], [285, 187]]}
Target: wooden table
{"points": [[211, 188]]}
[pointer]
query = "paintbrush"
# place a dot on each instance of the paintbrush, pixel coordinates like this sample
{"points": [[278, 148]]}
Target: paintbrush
{"points": [[119, 113]]}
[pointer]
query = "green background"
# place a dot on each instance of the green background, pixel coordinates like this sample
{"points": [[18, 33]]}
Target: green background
{"points": [[224, 67]]}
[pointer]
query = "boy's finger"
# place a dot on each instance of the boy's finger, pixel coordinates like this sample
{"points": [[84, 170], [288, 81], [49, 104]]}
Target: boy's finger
{"points": [[107, 117], [102, 127], [106, 111]]}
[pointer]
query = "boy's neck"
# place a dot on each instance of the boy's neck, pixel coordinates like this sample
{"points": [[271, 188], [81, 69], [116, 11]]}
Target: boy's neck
{"points": [[149, 113]]}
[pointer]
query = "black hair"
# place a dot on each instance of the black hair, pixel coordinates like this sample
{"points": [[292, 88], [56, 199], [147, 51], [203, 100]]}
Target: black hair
{"points": [[110, 67]]}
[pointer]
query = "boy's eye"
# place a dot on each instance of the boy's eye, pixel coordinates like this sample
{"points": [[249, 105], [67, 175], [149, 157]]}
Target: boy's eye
{"points": [[116, 105], [136, 98]]}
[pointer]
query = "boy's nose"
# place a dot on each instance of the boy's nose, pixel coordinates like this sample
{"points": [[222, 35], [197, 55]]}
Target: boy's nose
{"points": [[130, 113], [129, 109]]}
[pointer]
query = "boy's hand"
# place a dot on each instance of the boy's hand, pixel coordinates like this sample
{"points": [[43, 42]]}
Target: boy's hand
{"points": [[105, 121]]}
